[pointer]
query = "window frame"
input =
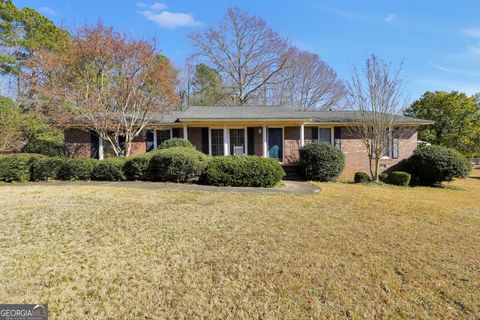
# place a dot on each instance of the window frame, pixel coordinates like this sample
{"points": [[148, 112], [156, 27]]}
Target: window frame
{"points": [[242, 136], [210, 140]]}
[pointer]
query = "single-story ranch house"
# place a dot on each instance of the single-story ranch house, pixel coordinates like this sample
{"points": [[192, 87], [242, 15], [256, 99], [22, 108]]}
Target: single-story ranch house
{"points": [[273, 132]]}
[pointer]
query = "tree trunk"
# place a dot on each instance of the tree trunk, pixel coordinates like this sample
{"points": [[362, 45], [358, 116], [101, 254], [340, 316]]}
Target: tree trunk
{"points": [[377, 169], [128, 147]]}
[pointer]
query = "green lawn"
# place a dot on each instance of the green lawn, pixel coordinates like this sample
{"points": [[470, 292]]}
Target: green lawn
{"points": [[351, 251]]}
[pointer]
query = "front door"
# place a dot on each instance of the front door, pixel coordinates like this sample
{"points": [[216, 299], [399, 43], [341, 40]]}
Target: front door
{"points": [[275, 145]]}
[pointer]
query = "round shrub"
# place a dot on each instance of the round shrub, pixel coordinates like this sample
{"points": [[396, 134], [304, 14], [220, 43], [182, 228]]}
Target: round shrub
{"points": [[361, 177], [399, 178], [431, 165], [15, 167], [45, 168], [175, 142], [383, 177], [76, 169], [178, 164], [136, 168], [321, 161], [109, 170], [248, 171]]}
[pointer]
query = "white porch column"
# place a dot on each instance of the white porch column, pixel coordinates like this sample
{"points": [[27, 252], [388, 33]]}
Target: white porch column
{"points": [[264, 140], [302, 135], [101, 154], [155, 141], [185, 132], [226, 148]]}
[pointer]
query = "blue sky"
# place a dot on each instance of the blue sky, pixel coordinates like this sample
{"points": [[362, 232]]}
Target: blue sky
{"points": [[438, 40]]}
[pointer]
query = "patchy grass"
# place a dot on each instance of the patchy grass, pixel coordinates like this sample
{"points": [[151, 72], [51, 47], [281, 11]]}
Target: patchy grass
{"points": [[351, 251]]}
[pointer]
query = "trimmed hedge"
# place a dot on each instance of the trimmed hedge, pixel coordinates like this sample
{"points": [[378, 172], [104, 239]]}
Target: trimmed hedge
{"points": [[15, 167], [248, 171], [45, 168], [321, 161], [76, 169], [399, 178], [136, 168], [109, 170], [361, 177], [178, 164], [431, 165], [175, 142], [383, 177]]}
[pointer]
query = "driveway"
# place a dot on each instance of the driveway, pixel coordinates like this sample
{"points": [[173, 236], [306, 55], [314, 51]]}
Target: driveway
{"points": [[291, 187]]}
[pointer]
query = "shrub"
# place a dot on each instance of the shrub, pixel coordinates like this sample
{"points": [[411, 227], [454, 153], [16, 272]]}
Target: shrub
{"points": [[383, 177], [399, 178], [431, 165], [175, 142], [243, 172], [361, 177], [178, 164], [321, 161], [45, 168], [136, 168], [15, 167], [109, 170], [45, 147], [76, 169]]}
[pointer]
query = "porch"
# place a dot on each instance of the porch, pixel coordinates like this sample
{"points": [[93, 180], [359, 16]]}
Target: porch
{"points": [[269, 140]]}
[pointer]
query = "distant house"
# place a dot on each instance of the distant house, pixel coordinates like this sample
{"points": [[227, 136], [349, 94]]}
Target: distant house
{"points": [[272, 132]]}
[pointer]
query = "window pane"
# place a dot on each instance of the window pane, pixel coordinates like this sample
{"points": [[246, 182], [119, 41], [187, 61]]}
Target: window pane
{"points": [[324, 135], [162, 136], [217, 142], [395, 148], [237, 142], [149, 140]]}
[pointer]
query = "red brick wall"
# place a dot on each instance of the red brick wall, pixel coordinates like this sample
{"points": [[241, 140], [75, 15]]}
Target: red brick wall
{"points": [[78, 143], [291, 144], [139, 144], [258, 141], [356, 158]]}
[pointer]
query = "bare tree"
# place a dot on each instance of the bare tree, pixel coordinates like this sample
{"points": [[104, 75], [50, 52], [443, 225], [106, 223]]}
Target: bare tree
{"points": [[108, 82], [376, 96], [184, 86], [312, 83], [244, 50]]}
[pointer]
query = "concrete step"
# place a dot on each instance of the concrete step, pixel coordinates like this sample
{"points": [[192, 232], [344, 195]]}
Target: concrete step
{"points": [[292, 173]]}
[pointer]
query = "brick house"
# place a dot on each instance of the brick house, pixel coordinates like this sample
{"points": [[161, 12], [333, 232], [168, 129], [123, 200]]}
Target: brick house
{"points": [[273, 132]]}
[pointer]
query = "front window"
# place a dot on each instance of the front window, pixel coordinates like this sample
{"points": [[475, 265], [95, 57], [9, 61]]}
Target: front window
{"points": [[150, 145], [325, 135], [217, 142], [162, 136], [237, 142]]}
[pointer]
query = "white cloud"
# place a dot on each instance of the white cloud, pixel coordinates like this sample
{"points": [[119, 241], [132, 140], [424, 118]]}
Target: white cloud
{"points": [[390, 17], [158, 6], [141, 4], [48, 11], [166, 19], [472, 32], [458, 71], [171, 20]]}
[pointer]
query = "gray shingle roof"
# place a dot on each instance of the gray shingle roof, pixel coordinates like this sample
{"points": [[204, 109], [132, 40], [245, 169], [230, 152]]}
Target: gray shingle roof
{"points": [[266, 113]]}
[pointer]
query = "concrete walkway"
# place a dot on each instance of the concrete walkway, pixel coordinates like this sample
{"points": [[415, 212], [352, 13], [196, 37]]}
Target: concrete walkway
{"points": [[291, 187]]}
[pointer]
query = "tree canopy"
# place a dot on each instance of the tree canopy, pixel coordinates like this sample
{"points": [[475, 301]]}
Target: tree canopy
{"points": [[207, 86], [457, 120], [105, 81], [22, 31]]}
